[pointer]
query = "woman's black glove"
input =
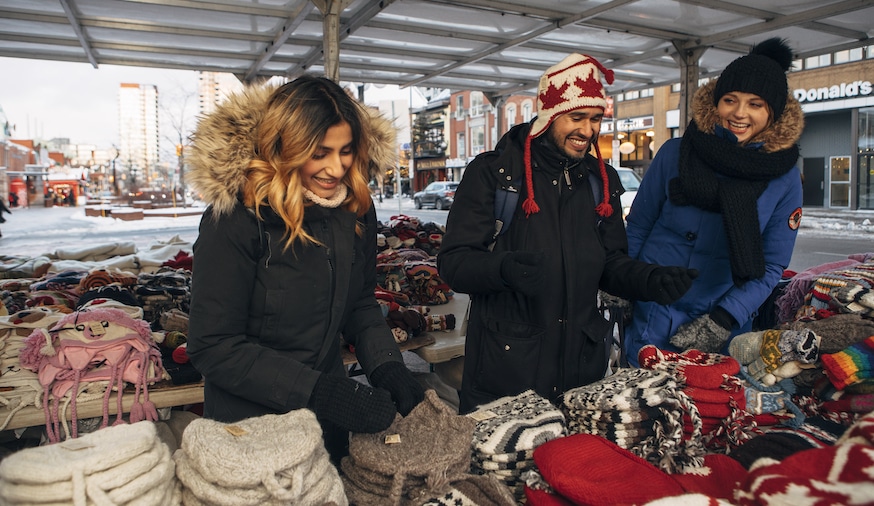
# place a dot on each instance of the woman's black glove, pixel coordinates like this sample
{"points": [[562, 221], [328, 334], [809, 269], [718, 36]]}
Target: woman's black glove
{"points": [[351, 405], [522, 271], [667, 284], [707, 333], [406, 392]]}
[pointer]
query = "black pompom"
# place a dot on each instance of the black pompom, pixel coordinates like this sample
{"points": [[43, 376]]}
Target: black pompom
{"points": [[776, 49]]}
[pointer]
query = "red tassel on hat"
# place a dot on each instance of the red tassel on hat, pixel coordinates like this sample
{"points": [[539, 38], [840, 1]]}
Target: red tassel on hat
{"points": [[604, 208], [529, 205]]}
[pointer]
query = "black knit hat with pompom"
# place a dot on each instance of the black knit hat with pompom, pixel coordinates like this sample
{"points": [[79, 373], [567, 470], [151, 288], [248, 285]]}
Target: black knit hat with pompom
{"points": [[762, 72]]}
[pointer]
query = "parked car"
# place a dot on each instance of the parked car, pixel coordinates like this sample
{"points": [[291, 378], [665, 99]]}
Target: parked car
{"points": [[631, 182], [439, 194]]}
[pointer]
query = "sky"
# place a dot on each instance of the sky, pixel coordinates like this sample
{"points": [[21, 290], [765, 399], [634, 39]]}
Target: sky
{"points": [[47, 99]]}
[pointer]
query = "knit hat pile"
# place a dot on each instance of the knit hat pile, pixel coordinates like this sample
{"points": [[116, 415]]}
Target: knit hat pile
{"points": [[773, 355], [838, 474], [852, 366], [270, 459], [762, 72], [122, 464], [507, 432], [162, 290], [710, 380], [416, 458], [571, 84], [642, 411], [775, 400], [587, 469], [820, 294], [20, 387], [855, 298]]}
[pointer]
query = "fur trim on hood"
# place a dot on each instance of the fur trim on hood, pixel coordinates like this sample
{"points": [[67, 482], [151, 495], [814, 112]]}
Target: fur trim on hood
{"points": [[223, 144], [777, 137]]}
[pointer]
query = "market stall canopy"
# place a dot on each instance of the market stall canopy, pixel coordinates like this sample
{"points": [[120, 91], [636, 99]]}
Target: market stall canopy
{"points": [[499, 47]]}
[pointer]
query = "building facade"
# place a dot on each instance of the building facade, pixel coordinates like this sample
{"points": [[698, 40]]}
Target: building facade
{"points": [[138, 134], [837, 146]]}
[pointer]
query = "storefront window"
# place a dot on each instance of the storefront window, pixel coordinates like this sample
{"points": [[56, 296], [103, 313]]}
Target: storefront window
{"points": [[866, 181], [839, 170], [865, 174], [477, 140]]}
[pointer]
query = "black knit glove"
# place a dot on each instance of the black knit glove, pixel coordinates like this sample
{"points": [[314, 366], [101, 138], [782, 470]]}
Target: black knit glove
{"points": [[351, 405], [406, 392], [667, 284], [707, 333], [522, 271]]}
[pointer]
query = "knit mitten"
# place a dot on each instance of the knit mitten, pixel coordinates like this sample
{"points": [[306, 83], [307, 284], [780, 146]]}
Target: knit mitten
{"points": [[406, 392], [703, 334], [351, 405]]}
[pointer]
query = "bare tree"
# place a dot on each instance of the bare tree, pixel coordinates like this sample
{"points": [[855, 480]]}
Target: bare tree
{"points": [[178, 110]]}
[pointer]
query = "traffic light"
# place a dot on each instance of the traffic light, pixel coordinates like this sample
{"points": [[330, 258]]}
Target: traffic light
{"points": [[179, 150]]}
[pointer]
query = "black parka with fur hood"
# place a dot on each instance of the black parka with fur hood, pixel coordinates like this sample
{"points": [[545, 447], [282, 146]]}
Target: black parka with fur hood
{"points": [[265, 323]]}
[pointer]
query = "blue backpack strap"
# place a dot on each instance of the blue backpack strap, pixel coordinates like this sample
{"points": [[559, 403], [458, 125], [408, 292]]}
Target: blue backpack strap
{"points": [[505, 206]]}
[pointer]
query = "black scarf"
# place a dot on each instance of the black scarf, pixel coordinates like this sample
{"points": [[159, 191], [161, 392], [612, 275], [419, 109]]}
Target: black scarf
{"points": [[747, 173]]}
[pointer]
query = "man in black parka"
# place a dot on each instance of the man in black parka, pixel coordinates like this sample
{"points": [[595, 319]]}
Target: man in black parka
{"points": [[534, 319]]}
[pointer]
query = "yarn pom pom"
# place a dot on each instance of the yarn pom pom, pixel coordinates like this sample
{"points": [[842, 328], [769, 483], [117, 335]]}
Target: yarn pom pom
{"points": [[776, 49]]}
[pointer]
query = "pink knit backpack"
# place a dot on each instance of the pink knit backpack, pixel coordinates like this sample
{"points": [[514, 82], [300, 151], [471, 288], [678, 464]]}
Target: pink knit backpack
{"points": [[94, 345]]}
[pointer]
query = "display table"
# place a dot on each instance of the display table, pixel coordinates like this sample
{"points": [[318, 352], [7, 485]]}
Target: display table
{"points": [[163, 394], [411, 344], [448, 344]]}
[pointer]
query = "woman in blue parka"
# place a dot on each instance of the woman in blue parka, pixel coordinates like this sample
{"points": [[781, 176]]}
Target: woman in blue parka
{"points": [[725, 199]]}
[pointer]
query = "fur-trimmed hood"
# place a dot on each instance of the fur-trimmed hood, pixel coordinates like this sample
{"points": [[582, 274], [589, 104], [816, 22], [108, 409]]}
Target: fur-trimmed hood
{"points": [[223, 144], [777, 137]]}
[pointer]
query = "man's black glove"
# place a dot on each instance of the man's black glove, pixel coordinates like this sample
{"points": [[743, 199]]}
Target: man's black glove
{"points": [[406, 392], [351, 405], [667, 284], [523, 271], [707, 333]]}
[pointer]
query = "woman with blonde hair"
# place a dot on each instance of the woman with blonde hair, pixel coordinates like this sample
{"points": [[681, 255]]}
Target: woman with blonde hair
{"points": [[285, 261]]}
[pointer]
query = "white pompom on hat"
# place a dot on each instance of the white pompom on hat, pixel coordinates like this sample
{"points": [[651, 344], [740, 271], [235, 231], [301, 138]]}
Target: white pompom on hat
{"points": [[571, 84]]}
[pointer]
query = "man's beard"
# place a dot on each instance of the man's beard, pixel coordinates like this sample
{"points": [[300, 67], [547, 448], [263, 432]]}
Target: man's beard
{"points": [[558, 147]]}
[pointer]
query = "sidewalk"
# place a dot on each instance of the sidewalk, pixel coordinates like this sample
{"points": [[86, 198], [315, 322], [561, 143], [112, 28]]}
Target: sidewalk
{"points": [[861, 220]]}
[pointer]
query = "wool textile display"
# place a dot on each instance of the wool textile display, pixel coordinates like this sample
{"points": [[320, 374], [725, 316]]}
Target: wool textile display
{"points": [[641, 410], [93, 345], [429, 449], [270, 459], [785, 416], [507, 432], [120, 465]]}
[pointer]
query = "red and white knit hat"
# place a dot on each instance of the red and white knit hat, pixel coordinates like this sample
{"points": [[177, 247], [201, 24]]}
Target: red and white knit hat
{"points": [[571, 84]]}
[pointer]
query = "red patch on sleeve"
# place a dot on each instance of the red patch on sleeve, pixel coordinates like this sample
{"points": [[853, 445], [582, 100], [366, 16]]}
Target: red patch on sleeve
{"points": [[795, 219]]}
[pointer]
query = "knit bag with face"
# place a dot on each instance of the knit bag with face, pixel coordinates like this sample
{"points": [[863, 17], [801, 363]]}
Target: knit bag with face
{"points": [[97, 345]]}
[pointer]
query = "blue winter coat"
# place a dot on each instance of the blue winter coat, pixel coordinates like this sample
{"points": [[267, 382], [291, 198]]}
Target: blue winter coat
{"points": [[663, 233]]}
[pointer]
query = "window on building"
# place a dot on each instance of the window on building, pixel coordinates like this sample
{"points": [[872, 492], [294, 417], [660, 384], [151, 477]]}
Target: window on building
{"points": [[676, 88], [527, 111], [848, 55], [632, 95], [460, 146], [822, 60], [647, 92], [510, 112], [477, 140], [476, 104], [459, 107]]}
